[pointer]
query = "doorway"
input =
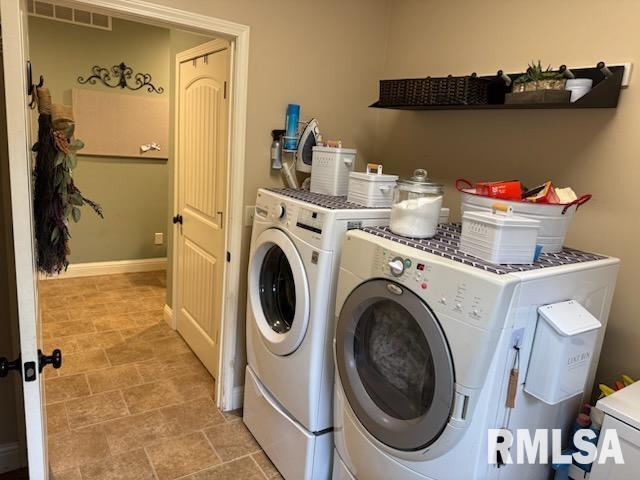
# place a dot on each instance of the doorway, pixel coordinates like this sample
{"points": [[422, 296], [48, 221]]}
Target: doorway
{"points": [[150, 281]]}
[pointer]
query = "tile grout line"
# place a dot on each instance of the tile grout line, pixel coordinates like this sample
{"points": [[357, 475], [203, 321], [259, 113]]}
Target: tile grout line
{"points": [[210, 467], [215, 450], [156, 409], [153, 467], [126, 405], [259, 467]]}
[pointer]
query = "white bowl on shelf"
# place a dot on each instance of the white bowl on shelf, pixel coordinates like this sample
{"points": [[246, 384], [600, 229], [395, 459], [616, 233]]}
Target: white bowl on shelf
{"points": [[578, 87]]}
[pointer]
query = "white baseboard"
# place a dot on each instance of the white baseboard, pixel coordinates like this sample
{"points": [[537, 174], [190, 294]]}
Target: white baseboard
{"points": [[110, 268], [238, 397], [10, 457], [168, 316]]}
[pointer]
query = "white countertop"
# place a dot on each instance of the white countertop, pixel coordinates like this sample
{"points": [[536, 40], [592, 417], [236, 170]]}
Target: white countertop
{"points": [[623, 405]]}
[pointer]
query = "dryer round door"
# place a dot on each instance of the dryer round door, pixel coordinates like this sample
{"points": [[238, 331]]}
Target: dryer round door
{"points": [[278, 292], [394, 365]]}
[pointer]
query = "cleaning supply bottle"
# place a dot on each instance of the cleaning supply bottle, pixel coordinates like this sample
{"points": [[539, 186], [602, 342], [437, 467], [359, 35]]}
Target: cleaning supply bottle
{"points": [[276, 149], [291, 127], [583, 421]]}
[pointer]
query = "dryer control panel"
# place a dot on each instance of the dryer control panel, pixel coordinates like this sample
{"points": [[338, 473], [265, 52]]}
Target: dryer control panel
{"points": [[304, 221], [310, 220]]}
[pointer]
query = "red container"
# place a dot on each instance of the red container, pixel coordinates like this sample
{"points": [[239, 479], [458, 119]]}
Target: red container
{"points": [[506, 190]]}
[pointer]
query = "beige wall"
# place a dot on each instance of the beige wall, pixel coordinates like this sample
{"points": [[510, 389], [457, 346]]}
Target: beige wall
{"points": [[325, 56], [594, 151], [132, 192]]}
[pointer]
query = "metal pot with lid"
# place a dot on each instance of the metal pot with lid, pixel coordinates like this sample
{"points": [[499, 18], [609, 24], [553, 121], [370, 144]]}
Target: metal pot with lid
{"points": [[416, 206]]}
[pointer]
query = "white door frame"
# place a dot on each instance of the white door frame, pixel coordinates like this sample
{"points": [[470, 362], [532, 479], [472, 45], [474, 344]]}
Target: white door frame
{"points": [[13, 39], [238, 35]]}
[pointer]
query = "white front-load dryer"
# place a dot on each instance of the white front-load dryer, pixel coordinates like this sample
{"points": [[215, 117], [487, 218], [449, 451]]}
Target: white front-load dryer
{"points": [[291, 283], [424, 347]]}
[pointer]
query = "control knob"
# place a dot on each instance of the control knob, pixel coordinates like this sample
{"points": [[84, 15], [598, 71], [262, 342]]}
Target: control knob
{"points": [[396, 266]]}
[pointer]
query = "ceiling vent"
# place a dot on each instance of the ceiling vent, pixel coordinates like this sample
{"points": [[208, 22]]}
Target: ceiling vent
{"points": [[69, 14]]}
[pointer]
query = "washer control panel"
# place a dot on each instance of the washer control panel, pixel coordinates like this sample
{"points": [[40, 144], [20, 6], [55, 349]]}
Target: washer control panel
{"points": [[453, 292]]}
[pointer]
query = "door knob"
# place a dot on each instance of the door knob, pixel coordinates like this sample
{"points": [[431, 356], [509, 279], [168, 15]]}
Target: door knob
{"points": [[6, 366], [55, 359], [177, 219]]}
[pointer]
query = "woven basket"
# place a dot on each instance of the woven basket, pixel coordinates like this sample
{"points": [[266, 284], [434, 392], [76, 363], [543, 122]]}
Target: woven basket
{"points": [[469, 90]]}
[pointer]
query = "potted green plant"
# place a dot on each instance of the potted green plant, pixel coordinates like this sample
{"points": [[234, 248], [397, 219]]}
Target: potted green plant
{"points": [[537, 78], [539, 85]]}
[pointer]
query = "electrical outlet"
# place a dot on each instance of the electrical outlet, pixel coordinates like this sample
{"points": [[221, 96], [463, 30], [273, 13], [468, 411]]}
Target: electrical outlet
{"points": [[158, 238], [249, 212]]}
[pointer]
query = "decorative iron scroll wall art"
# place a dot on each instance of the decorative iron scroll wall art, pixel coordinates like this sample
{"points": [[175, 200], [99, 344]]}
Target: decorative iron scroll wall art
{"points": [[121, 74]]}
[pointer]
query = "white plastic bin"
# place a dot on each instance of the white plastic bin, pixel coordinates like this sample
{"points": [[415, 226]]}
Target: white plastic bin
{"points": [[501, 238], [563, 346], [444, 215], [330, 168], [371, 189], [554, 218]]}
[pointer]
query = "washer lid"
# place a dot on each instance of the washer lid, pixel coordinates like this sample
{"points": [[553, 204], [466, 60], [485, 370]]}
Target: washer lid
{"points": [[394, 365], [278, 292]]}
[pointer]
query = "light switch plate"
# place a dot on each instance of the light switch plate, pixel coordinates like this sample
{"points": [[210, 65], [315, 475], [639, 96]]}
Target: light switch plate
{"points": [[249, 212], [158, 239]]}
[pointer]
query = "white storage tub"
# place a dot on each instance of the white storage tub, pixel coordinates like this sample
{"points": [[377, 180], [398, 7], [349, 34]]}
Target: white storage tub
{"points": [[444, 215], [554, 218], [500, 238], [371, 189], [562, 350], [330, 168]]}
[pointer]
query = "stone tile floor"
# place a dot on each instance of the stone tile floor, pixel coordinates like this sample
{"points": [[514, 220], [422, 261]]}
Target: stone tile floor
{"points": [[131, 400]]}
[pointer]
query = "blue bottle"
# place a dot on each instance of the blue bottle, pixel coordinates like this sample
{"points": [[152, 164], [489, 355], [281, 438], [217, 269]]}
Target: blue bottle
{"points": [[291, 127]]}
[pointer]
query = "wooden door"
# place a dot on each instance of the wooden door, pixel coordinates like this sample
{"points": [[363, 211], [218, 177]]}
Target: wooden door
{"points": [[202, 146], [16, 53]]}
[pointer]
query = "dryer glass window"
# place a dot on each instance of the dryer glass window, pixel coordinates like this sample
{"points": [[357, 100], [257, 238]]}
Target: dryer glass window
{"points": [[394, 361], [277, 290]]}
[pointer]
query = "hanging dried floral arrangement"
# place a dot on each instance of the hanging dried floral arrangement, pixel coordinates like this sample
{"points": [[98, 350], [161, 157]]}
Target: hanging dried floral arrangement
{"points": [[56, 197]]}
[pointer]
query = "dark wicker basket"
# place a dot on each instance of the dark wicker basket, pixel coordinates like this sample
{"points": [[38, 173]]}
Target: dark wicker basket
{"points": [[469, 90]]}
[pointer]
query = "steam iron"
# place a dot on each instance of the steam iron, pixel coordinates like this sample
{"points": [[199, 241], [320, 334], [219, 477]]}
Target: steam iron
{"points": [[308, 140]]}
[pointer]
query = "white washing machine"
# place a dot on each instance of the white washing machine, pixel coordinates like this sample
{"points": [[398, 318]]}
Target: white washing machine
{"points": [[292, 276], [425, 342]]}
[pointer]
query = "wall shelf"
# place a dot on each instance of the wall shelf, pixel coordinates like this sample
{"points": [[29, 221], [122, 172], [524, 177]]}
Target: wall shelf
{"points": [[604, 94]]}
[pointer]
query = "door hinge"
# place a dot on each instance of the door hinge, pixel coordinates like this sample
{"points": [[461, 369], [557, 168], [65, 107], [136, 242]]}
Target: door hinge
{"points": [[225, 89], [228, 256]]}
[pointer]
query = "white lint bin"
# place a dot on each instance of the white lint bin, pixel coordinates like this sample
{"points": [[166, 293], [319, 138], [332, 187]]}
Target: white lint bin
{"points": [[563, 347]]}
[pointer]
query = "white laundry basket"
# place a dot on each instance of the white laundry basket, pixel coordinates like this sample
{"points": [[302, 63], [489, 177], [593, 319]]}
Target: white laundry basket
{"points": [[554, 218]]}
